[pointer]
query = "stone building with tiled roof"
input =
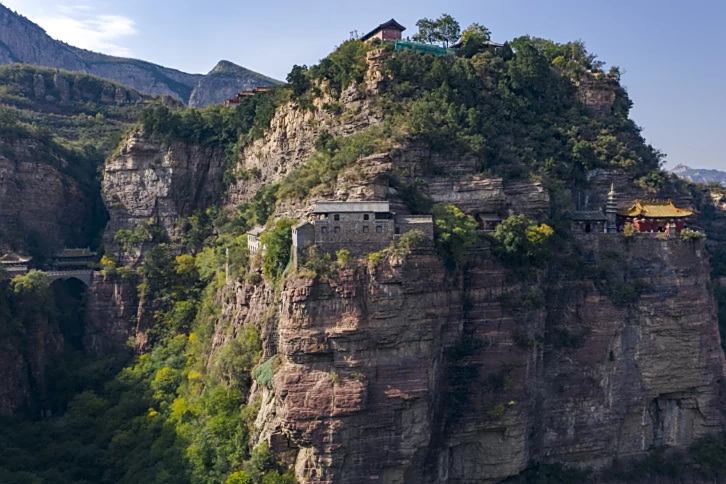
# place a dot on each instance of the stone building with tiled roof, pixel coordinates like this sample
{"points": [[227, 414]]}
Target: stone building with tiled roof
{"points": [[655, 216]]}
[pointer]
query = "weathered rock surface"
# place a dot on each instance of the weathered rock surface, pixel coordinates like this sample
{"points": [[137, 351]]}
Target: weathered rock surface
{"points": [[110, 314], [404, 374], [39, 203], [290, 141], [598, 92], [149, 181]]}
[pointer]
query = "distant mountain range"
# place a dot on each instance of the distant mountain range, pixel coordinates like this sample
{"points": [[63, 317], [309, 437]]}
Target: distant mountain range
{"points": [[22, 41], [700, 175]]}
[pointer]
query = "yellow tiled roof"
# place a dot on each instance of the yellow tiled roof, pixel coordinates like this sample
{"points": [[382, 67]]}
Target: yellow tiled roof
{"points": [[656, 210]]}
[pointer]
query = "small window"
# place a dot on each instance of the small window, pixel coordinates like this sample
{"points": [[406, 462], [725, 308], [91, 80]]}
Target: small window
{"points": [[379, 228], [336, 229], [588, 227], [336, 216], [397, 230], [366, 216], [365, 228]]}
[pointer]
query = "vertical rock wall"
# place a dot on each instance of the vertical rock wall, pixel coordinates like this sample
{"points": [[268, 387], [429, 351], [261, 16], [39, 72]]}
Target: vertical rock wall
{"points": [[406, 374]]}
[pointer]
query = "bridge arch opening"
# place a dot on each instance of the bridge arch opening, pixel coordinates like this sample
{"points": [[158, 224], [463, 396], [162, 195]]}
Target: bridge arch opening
{"points": [[70, 303]]}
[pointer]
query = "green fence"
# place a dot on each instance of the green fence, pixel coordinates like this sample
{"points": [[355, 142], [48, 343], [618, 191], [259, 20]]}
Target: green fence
{"points": [[423, 48]]}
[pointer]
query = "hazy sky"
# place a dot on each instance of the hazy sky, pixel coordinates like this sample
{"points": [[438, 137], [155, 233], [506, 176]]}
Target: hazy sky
{"points": [[671, 52]]}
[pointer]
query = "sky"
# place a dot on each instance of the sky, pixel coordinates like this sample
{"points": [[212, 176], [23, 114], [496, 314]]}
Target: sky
{"points": [[671, 52]]}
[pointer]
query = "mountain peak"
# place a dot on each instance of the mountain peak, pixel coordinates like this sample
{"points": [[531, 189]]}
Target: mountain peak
{"points": [[700, 175], [22, 41], [227, 68]]}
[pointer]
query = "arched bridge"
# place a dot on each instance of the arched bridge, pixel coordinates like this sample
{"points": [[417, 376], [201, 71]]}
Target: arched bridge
{"points": [[83, 275]]}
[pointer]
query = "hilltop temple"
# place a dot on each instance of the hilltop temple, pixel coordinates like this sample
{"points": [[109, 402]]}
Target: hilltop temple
{"points": [[386, 32], [644, 216], [655, 216]]}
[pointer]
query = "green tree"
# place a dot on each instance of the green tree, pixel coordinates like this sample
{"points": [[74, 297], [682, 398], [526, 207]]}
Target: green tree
{"points": [[455, 231], [277, 241], [448, 29], [522, 240], [34, 282], [298, 80], [444, 30], [426, 31], [474, 39]]}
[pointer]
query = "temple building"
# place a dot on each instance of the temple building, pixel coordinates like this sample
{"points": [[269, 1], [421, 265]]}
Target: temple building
{"points": [[253, 239], [15, 264], [598, 221], [358, 226], [386, 32], [74, 259], [655, 216]]}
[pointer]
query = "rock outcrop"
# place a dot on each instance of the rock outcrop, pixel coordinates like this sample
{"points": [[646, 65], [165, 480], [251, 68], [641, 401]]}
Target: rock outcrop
{"points": [[597, 91], [290, 139], [149, 181], [110, 317], [41, 205], [404, 374]]}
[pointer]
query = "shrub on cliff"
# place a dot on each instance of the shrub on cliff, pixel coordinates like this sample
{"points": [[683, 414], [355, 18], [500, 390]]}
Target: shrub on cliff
{"points": [[520, 240], [474, 40], [34, 282], [332, 156], [277, 241], [455, 232], [344, 65], [692, 235]]}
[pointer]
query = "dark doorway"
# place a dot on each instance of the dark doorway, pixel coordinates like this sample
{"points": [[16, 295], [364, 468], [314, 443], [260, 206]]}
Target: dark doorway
{"points": [[70, 298]]}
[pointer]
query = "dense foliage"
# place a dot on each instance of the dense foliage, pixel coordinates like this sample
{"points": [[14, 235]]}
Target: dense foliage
{"points": [[277, 241], [520, 240], [216, 125], [455, 232], [79, 111], [174, 414], [516, 113]]}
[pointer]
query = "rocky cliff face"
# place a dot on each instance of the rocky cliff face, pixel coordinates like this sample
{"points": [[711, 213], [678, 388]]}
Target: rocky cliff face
{"points": [[22, 41], [41, 205], [110, 314], [405, 373], [290, 139], [150, 181], [408, 372]]}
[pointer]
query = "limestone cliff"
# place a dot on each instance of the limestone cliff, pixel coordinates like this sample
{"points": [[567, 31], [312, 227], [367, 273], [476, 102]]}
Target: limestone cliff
{"points": [[41, 205], [150, 181], [406, 373]]}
